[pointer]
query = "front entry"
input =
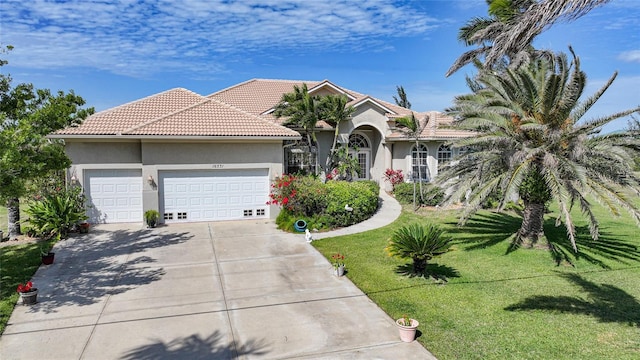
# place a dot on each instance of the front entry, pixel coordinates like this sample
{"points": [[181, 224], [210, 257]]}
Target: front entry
{"points": [[360, 149]]}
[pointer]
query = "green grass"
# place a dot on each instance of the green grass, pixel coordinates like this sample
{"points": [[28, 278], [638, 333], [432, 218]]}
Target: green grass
{"points": [[18, 263], [499, 304]]}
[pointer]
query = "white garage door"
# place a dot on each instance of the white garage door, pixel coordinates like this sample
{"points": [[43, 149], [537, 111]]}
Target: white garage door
{"points": [[189, 196], [114, 196]]}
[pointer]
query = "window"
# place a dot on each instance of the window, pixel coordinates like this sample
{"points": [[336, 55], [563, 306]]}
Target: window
{"points": [[419, 168], [358, 141], [182, 216], [168, 216], [444, 155], [260, 212], [248, 212]]}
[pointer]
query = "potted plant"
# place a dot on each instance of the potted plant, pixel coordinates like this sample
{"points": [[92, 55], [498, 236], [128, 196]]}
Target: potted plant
{"points": [[47, 256], [407, 328], [83, 228], [338, 264], [28, 293], [151, 217]]}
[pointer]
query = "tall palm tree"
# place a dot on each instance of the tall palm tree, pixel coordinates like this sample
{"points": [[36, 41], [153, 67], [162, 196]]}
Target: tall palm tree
{"points": [[412, 127], [334, 111], [532, 143], [506, 36], [303, 111], [401, 99]]}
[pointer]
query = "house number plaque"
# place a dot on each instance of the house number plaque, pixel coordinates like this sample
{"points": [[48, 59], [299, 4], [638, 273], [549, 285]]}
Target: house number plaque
{"points": [[217, 166]]}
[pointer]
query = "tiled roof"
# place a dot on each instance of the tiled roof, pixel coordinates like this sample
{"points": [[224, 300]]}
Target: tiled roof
{"points": [[116, 120], [178, 112], [437, 127], [212, 118], [242, 110]]}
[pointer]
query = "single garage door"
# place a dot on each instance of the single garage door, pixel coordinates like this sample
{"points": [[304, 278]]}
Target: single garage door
{"points": [[114, 196], [212, 195]]}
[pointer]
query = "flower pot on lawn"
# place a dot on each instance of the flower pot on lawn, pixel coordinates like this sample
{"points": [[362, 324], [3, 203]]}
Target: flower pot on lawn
{"points": [[407, 328], [339, 270], [47, 259]]}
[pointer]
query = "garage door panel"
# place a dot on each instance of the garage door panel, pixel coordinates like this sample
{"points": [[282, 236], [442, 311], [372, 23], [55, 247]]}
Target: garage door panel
{"points": [[214, 195], [113, 195]]}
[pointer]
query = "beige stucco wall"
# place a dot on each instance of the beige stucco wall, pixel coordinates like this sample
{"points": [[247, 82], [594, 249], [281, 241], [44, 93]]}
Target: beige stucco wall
{"points": [[98, 152], [154, 156]]}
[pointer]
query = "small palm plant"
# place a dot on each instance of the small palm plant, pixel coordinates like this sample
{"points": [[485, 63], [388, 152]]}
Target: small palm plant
{"points": [[420, 243]]}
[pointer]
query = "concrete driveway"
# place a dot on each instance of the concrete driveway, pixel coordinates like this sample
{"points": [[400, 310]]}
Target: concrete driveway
{"points": [[224, 290]]}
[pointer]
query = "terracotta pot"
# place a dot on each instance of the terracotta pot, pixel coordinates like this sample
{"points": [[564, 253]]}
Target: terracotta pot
{"points": [[29, 298], [407, 332], [48, 258]]}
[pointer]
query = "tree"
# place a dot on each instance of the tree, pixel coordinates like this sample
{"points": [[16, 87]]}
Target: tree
{"points": [[334, 111], [412, 127], [507, 35], [301, 110], [533, 143], [401, 99], [27, 116]]}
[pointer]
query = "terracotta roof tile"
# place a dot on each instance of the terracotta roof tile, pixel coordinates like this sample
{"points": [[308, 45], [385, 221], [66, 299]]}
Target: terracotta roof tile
{"points": [[239, 110], [212, 118], [116, 120]]}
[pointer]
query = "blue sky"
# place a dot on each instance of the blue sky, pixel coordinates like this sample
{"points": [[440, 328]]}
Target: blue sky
{"points": [[113, 52]]}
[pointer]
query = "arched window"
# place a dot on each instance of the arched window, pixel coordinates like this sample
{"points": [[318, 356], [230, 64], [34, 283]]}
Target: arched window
{"points": [[419, 168], [444, 154], [358, 141]]}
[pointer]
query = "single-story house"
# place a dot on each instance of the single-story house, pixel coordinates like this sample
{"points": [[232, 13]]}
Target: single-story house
{"points": [[209, 158]]}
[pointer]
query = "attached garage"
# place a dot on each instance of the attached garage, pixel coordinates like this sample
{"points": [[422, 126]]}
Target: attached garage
{"points": [[114, 196], [213, 195]]}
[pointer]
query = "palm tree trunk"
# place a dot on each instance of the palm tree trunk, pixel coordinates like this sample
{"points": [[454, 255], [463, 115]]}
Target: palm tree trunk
{"points": [[532, 224], [13, 217]]}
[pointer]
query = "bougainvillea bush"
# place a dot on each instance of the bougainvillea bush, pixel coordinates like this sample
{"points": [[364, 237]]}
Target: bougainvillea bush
{"points": [[322, 205]]}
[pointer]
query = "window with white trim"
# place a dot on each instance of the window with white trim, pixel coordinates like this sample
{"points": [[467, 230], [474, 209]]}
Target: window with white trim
{"points": [[419, 166], [444, 155]]}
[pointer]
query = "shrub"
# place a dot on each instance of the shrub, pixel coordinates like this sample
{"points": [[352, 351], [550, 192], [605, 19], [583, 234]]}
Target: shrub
{"points": [[54, 214], [394, 177], [432, 194], [419, 243], [361, 196]]}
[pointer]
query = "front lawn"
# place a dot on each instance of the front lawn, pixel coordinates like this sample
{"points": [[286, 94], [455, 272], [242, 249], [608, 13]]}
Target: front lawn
{"points": [[18, 263], [508, 305]]}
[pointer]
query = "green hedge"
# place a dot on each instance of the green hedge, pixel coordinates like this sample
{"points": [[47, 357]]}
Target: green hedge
{"points": [[322, 205]]}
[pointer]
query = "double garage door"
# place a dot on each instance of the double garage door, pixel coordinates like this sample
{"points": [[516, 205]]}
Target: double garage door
{"points": [[115, 196], [213, 195]]}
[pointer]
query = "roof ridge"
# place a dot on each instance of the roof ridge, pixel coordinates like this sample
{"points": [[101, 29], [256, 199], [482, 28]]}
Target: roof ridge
{"points": [[256, 80], [250, 114], [149, 122], [145, 98]]}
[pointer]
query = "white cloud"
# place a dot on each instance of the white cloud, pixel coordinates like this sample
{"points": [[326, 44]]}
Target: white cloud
{"points": [[630, 56], [136, 38]]}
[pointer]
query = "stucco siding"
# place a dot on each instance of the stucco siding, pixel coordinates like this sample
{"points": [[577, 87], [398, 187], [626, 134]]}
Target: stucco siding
{"points": [[104, 152], [210, 153]]}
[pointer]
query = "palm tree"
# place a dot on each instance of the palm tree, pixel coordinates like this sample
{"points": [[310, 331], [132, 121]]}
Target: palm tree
{"points": [[302, 111], [412, 127], [506, 36], [419, 243], [334, 111], [401, 99], [532, 143]]}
